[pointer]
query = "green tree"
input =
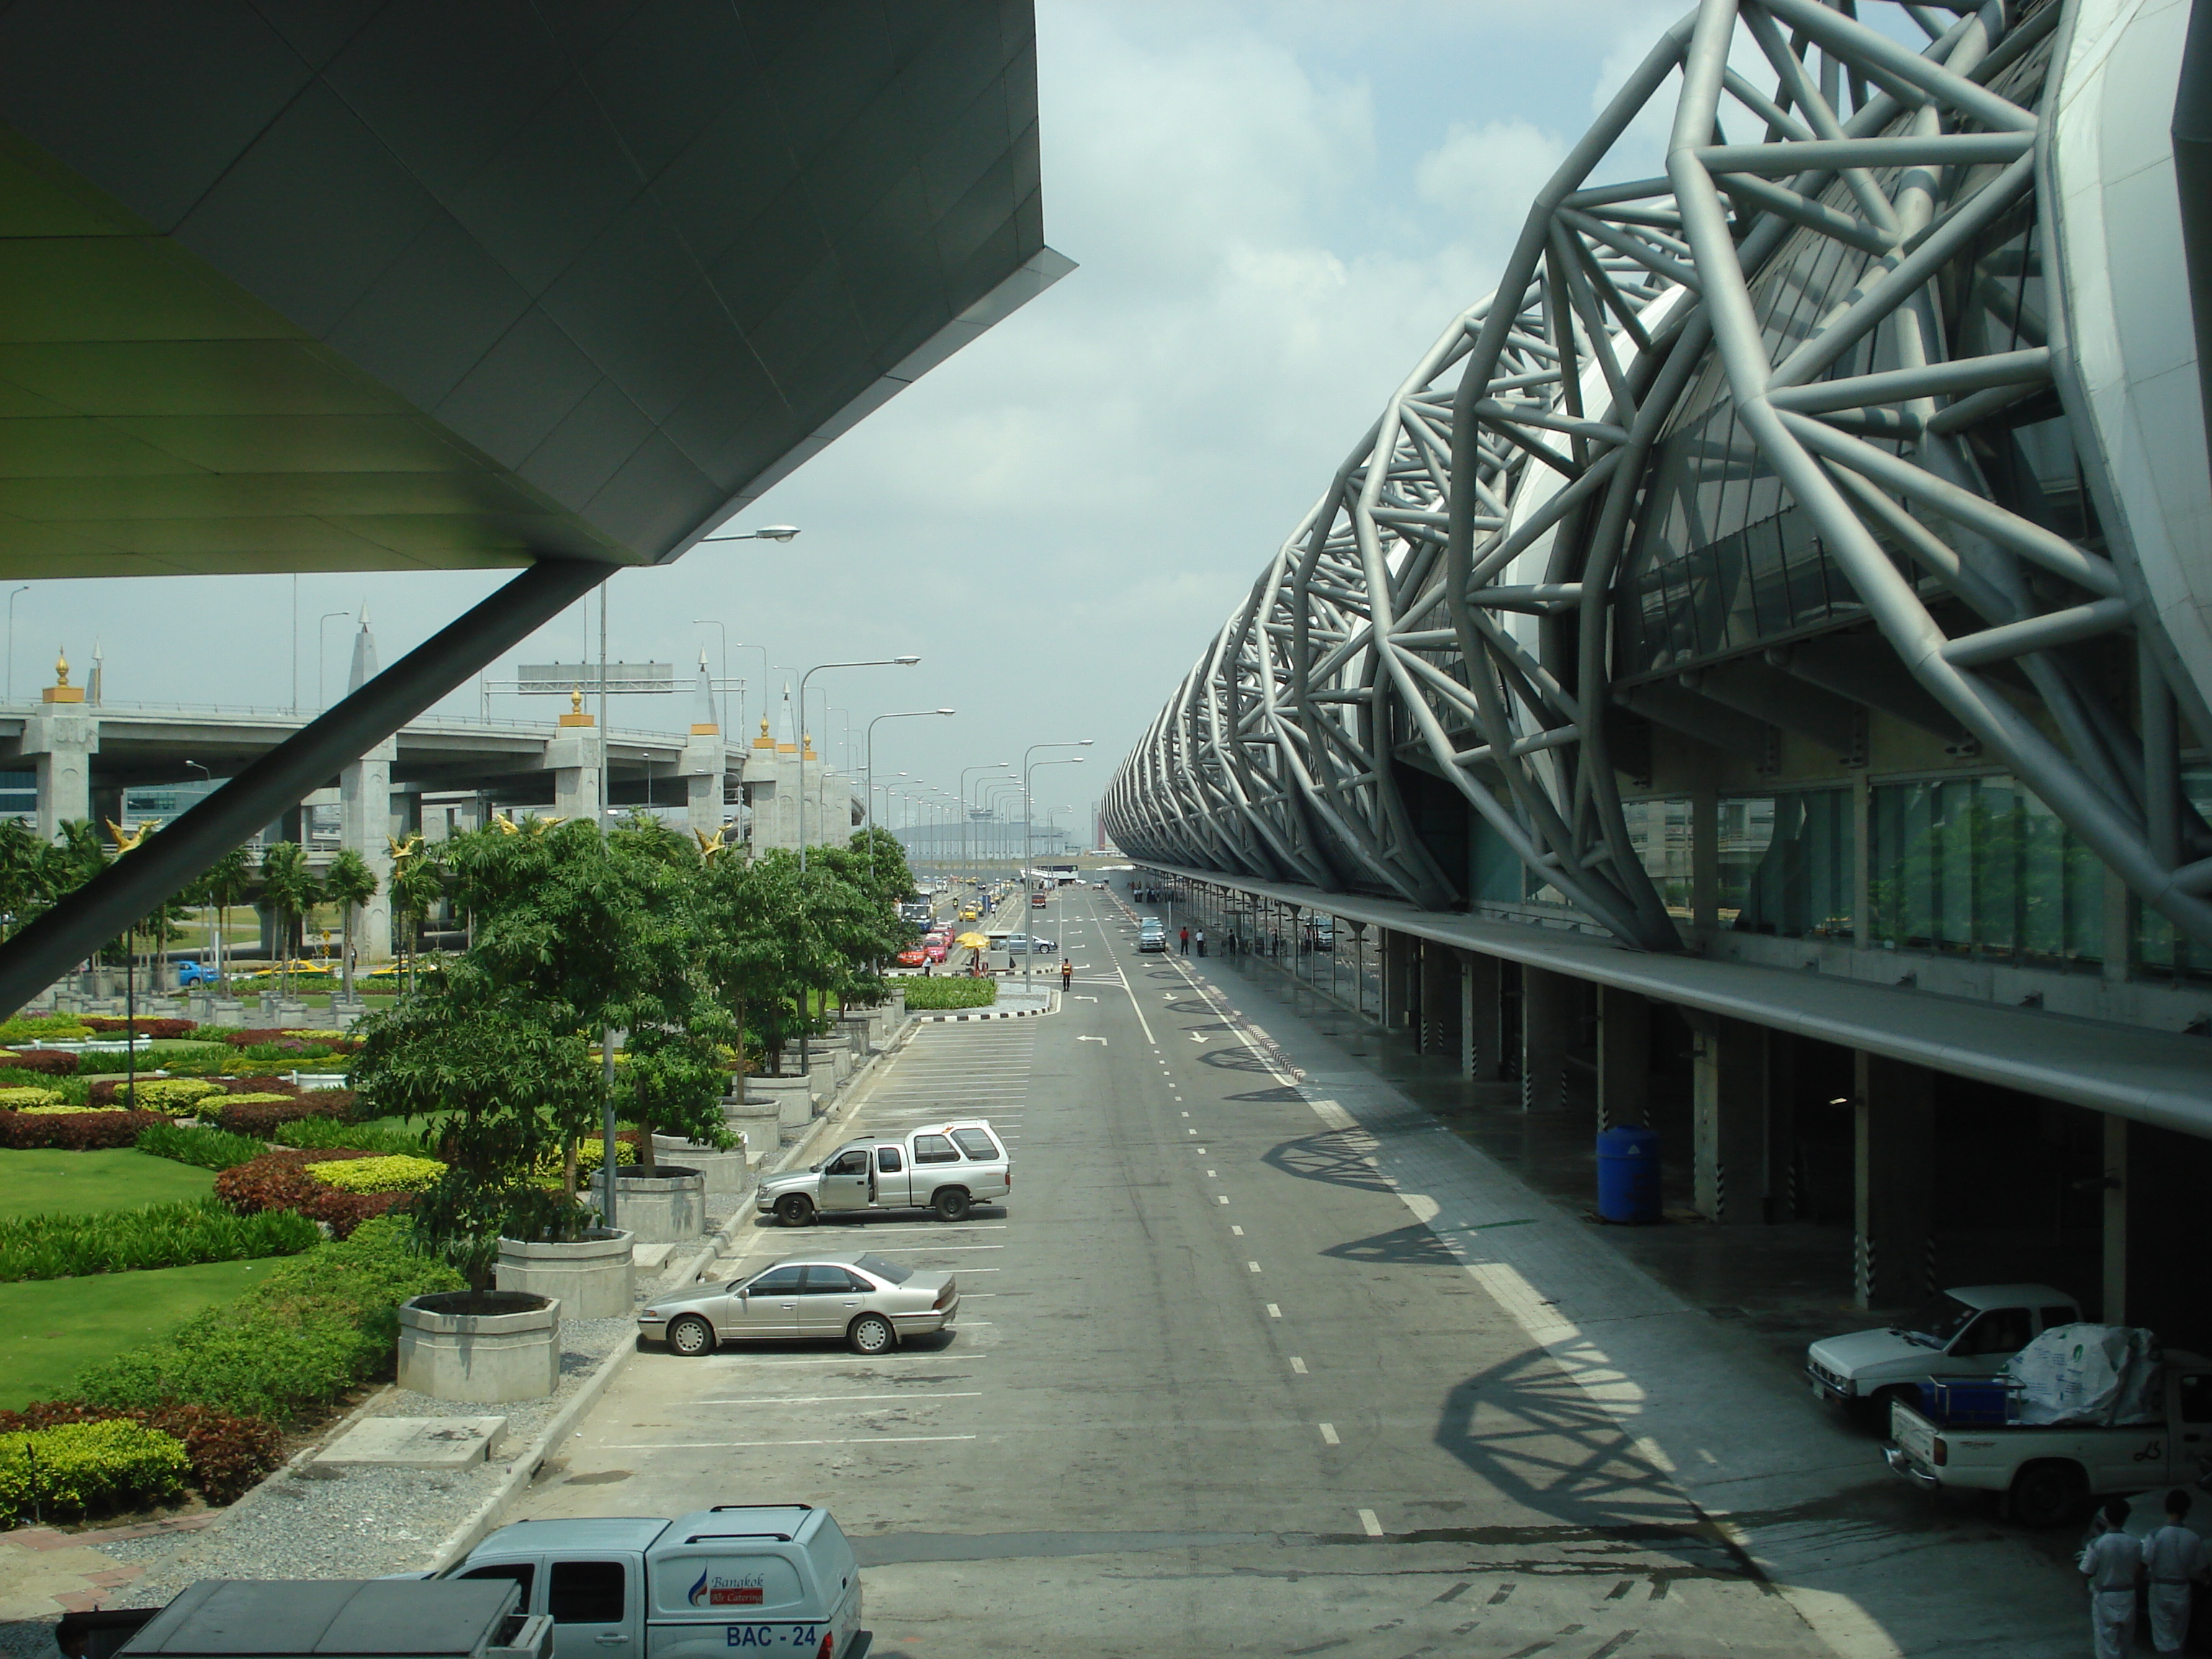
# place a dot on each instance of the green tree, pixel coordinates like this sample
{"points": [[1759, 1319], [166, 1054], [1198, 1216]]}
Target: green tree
{"points": [[349, 883], [229, 881], [287, 887], [418, 883], [28, 871], [754, 944]]}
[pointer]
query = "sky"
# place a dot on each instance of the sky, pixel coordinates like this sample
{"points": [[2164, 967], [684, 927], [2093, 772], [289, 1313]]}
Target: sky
{"points": [[1274, 208]]}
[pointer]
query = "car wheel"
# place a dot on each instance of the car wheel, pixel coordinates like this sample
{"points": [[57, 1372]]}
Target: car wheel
{"points": [[872, 1334], [2047, 1494], [952, 1204], [794, 1209], [690, 1336]]}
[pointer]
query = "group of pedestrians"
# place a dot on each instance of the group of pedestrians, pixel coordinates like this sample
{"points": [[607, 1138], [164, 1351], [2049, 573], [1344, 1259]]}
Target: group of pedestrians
{"points": [[1183, 939], [2168, 1564]]}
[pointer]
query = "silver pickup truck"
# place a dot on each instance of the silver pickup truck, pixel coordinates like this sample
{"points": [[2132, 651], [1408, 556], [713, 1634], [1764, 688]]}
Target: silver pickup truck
{"points": [[947, 1167]]}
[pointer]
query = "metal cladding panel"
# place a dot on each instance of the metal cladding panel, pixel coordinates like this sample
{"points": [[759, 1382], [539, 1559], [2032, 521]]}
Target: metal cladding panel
{"points": [[620, 262]]}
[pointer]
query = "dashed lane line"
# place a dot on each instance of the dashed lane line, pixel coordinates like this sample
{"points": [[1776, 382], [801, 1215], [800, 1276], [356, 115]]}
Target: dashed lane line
{"points": [[1329, 1435]]}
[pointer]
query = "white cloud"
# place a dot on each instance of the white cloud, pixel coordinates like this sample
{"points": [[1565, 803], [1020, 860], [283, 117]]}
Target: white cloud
{"points": [[1483, 178]]}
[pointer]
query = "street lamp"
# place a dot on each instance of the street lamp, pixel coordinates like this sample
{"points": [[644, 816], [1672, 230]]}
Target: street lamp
{"points": [[872, 662], [870, 746], [999, 767], [767, 532], [1028, 816], [992, 793], [25, 588], [323, 652]]}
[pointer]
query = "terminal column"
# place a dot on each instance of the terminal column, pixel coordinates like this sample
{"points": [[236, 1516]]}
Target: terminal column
{"points": [[1624, 1057], [365, 815], [1440, 998], [1482, 1023], [1729, 1120], [1398, 988], [1551, 1009], [1893, 1233]]}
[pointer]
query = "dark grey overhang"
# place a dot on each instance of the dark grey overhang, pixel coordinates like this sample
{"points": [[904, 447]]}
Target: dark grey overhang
{"points": [[399, 286], [2154, 1076]]}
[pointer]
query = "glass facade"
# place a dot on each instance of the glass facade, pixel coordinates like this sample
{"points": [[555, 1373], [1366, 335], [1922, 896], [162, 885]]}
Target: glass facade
{"points": [[19, 794], [2162, 953], [1659, 831], [1979, 866], [1785, 864]]}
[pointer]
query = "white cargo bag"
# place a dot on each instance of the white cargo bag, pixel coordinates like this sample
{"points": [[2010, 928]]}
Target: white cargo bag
{"points": [[2085, 1373]]}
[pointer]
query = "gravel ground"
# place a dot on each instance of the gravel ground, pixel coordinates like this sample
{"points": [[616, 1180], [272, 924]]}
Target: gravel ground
{"points": [[360, 1522]]}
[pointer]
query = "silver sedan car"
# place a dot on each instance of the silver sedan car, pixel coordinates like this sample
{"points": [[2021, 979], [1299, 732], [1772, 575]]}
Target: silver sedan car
{"points": [[856, 1295]]}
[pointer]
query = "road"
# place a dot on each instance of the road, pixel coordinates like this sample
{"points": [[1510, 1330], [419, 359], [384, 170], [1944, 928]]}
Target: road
{"points": [[1209, 1391]]}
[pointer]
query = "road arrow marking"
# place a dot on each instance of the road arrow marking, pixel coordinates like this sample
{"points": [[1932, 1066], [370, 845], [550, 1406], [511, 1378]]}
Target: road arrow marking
{"points": [[1101, 1042]]}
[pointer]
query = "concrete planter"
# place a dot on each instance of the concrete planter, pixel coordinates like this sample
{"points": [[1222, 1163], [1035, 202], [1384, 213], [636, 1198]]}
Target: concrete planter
{"points": [[758, 1122], [793, 1097], [861, 1031], [668, 1207], [592, 1279], [483, 1346], [724, 1172]]}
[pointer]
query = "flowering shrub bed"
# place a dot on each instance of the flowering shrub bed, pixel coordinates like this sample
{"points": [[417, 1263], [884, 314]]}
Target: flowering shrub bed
{"points": [[160, 1029], [951, 991], [76, 1467], [280, 1181], [391, 1172], [58, 1028], [318, 1325], [227, 1452], [174, 1095], [318, 1132], [261, 1115], [15, 1099], [181, 1235], [51, 1062], [73, 1130]]}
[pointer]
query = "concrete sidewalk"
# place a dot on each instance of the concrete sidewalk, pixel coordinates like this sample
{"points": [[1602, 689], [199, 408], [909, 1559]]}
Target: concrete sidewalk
{"points": [[1877, 1569]]}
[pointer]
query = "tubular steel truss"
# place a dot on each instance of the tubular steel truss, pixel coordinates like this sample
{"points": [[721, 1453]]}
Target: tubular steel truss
{"points": [[1448, 603]]}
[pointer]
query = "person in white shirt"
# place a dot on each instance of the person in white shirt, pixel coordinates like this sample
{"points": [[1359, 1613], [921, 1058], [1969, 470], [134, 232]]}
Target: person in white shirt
{"points": [[2112, 1562], [2173, 1558]]}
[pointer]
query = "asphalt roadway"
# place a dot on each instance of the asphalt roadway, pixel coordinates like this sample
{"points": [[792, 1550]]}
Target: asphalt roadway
{"points": [[1209, 1392]]}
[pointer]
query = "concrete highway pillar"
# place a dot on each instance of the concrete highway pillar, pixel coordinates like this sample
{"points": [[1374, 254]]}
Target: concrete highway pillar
{"points": [[1482, 1021], [1624, 1057], [1729, 1120], [365, 816], [1440, 998], [61, 739], [1894, 1160], [573, 758], [1551, 1008]]}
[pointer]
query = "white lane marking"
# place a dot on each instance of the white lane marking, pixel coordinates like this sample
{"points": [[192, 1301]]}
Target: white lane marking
{"points": [[837, 1399], [1296, 1364], [907, 1363], [1209, 1174], [932, 1250], [1369, 1524], [1198, 1037], [1273, 1312], [1328, 1434], [1101, 1042], [736, 1445], [1194, 1131], [1225, 1197], [1237, 1232], [1252, 1267]]}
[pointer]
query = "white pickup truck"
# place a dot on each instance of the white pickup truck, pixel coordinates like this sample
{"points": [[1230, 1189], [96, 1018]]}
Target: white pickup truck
{"points": [[948, 1166], [739, 1576], [2046, 1472], [1967, 1332]]}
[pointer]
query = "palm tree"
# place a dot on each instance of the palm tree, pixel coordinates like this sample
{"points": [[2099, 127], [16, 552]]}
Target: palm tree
{"points": [[287, 887], [349, 883], [226, 881], [418, 882]]}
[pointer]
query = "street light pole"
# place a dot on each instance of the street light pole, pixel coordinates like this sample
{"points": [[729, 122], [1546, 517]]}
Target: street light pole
{"points": [[323, 652], [965, 857], [1028, 817], [869, 746], [12, 597], [992, 792], [872, 662]]}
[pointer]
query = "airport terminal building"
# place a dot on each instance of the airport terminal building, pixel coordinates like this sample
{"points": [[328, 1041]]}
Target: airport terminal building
{"points": [[1755, 675]]}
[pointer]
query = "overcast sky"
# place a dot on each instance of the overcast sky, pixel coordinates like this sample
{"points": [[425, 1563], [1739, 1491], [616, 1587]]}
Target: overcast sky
{"points": [[1275, 207]]}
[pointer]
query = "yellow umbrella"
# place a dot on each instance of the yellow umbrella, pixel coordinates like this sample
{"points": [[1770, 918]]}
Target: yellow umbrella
{"points": [[972, 941]]}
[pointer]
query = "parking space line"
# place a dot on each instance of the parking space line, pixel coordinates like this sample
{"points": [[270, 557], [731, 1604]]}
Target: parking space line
{"points": [[1329, 1434], [740, 1445], [1296, 1364], [1369, 1524]]}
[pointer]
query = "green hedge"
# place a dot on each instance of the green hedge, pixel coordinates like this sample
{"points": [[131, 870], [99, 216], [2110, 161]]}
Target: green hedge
{"points": [[204, 1149], [75, 1466], [384, 1139], [929, 992], [179, 1235], [319, 1325]]}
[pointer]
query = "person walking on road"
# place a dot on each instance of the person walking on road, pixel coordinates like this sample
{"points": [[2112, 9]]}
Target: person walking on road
{"points": [[2174, 1558], [1201, 941], [1182, 942], [1067, 974], [2112, 1562]]}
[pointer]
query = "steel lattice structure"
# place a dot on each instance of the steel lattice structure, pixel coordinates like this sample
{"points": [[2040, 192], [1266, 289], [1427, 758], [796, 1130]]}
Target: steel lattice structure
{"points": [[1452, 600]]}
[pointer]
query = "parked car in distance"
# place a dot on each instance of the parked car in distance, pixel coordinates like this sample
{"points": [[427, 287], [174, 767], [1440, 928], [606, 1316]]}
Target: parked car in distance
{"points": [[933, 947], [947, 1166], [1964, 1332], [1017, 944], [854, 1297]]}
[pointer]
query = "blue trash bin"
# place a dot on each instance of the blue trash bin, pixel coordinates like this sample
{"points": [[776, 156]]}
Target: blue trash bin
{"points": [[1628, 1174]]}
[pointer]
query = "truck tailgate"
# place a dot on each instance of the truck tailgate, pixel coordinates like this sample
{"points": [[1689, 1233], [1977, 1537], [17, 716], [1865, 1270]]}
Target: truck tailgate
{"points": [[1914, 1434]]}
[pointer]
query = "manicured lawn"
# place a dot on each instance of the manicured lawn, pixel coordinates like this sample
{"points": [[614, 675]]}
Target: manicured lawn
{"points": [[52, 1328], [53, 1184]]}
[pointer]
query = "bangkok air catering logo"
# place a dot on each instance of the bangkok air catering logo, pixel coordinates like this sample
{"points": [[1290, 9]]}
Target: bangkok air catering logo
{"points": [[714, 1590]]}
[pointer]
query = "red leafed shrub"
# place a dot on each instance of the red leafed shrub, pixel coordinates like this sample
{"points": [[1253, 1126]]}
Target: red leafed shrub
{"points": [[257, 1086], [329, 1102], [261, 1034], [229, 1452], [74, 1131], [260, 1118], [50, 1061], [160, 1029], [280, 1181]]}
